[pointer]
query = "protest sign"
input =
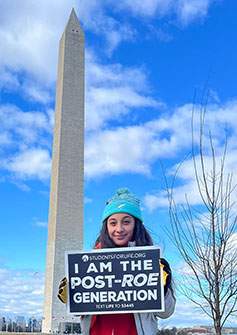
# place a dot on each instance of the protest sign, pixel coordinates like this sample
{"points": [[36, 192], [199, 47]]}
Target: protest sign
{"points": [[114, 281]]}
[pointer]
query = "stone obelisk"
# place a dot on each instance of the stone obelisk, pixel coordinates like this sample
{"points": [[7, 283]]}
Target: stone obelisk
{"points": [[65, 231]]}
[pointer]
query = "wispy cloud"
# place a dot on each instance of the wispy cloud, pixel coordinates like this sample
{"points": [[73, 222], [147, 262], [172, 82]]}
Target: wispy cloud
{"points": [[149, 8], [166, 137], [18, 287], [113, 91], [219, 120], [29, 45], [40, 223], [8, 80], [30, 164], [192, 10], [25, 142], [185, 187], [30, 31], [192, 315], [36, 92], [186, 11], [24, 127], [105, 150]]}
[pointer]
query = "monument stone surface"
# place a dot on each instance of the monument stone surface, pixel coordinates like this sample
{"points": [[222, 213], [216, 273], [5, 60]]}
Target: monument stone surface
{"points": [[65, 230]]}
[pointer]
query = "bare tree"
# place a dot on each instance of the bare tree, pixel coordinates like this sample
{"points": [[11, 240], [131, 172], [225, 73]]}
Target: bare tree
{"points": [[204, 234]]}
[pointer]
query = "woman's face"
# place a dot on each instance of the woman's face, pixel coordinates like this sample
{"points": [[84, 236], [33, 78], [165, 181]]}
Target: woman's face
{"points": [[120, 228]]}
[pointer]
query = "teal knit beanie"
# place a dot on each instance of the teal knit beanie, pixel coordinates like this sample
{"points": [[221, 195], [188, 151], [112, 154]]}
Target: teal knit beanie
{"points": [[123, 202]]}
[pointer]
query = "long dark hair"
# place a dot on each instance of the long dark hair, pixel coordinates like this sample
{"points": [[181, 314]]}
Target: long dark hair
{"points": [[141, 237]]}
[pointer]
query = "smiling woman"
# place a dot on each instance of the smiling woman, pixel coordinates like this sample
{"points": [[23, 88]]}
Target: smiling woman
{"points": [[123, 227]]}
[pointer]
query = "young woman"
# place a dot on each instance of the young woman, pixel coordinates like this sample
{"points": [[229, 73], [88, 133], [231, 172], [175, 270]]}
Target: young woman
{"points": [[123, 227]]}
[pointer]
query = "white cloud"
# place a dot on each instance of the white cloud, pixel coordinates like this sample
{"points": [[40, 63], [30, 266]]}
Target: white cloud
{"points": [[219, 120], [160, 138], [115, 34], [95, 17], [25, 143], [21, 287], [114, 74], [30, 34], [184, 280], [188, 190], [104, 104], [115, 37], [23, 128], [186, 11], [193, 315], [159, 199], [153, 201], [147, 7], [30, 164], [29, 42], [5, 139], [113, 91], [121, 150], [191, 10], [8, 80], [30, 89], [36, 92], [164, 137], [87, 200], [42, 224], [106, 150], [233, 240]]}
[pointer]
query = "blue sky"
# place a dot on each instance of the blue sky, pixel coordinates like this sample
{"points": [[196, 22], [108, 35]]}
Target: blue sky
{"points": [[144, 61]]}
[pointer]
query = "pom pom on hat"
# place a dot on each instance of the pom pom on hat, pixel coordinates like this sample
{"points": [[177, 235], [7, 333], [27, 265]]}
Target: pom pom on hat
{"points": [[123, 202]]}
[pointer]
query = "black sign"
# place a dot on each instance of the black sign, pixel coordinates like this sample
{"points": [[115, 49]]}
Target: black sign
{"points": [[114, 280]]}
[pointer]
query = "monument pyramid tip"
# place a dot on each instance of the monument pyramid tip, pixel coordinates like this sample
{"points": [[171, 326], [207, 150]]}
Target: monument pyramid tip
{"points": [[73, 12], [73, 20]]}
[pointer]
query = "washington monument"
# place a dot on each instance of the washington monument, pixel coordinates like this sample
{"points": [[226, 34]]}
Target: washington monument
{"points": [[65, 231]]}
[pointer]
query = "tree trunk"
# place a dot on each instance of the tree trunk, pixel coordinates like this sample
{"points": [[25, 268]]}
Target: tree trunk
{"points": [[217, 326]]}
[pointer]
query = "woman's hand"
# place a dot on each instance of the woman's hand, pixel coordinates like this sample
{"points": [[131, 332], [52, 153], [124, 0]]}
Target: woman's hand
{"points": [[166, 274], [62, 290]]}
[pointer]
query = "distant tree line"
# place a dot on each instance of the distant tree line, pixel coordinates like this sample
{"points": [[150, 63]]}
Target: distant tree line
{"points": [[166, 331]]}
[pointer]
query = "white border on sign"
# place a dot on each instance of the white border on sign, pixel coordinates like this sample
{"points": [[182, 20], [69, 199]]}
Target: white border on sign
{"points": [[139, 248]]}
